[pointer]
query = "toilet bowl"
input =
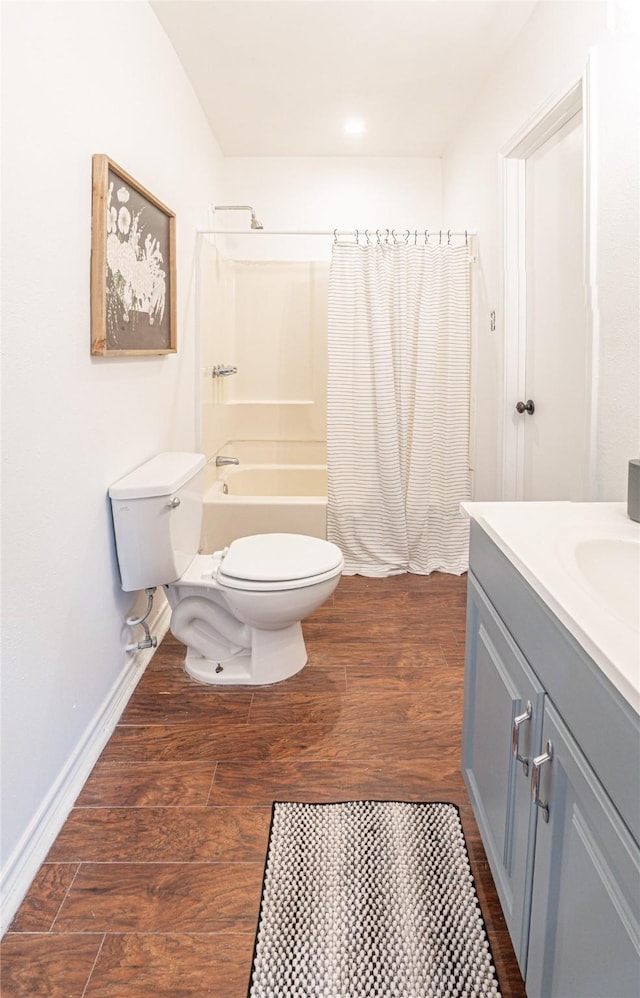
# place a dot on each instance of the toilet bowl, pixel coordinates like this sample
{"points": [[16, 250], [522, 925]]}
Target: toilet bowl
{"points": [[238, 611]]}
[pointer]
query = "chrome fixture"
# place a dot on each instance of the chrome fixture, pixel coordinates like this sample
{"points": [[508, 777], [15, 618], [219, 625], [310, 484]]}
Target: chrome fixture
{"points": [[223, 371], [220, 461], [536, 765], [149, 641], [517, 721], [528, 406], [255, 224]]}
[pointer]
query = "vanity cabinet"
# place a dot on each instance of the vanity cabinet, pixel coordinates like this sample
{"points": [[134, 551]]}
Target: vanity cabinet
{"points": [[502, 727], [550, 759]]}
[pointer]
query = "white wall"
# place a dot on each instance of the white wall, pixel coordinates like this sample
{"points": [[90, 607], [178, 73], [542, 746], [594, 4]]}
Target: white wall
{"points": [[547, 59], [329, 192], [618, 259], [78, 78]]}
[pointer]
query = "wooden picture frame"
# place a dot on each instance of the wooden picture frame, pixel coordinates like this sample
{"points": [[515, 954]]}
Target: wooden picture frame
{"points": [[133, 266]]}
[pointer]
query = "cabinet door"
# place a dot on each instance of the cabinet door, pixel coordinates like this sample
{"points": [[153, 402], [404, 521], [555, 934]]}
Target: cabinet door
{"points": [[498, 687], [584, 939]]}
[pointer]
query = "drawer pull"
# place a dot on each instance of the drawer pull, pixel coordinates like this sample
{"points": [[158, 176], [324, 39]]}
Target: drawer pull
{"points": [[536, 765], [517, 721]]}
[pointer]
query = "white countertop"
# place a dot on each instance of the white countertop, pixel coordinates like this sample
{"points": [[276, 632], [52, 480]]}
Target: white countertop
{"points": [[583, 560]]}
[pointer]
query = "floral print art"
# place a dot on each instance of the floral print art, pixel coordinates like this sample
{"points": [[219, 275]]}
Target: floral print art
{"points": [[136, 275]]}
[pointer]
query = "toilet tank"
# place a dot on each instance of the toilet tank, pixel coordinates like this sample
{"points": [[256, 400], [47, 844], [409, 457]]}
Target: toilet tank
{"points": [[157, 515]]}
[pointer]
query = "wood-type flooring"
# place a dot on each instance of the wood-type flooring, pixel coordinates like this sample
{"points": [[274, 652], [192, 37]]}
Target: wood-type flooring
{"points": [[152, 888]]}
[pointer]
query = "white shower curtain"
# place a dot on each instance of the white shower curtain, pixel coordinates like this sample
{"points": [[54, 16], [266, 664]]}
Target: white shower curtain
{"points": [[398, 407]]}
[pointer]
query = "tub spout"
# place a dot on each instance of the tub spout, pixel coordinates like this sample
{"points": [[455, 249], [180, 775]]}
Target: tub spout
{"points": [[226, 460]]}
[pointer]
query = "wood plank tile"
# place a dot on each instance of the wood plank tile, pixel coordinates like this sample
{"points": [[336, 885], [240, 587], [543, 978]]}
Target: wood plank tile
{"points": [[44, 897], [166, 966], [260, 783], [370, 737], [188, 706], [375, 714], [375, 656], [397, 708], [36, 965], [323, 782], [156, 835], [421, 682], [414, 780], [166, 784], [163, 897]]}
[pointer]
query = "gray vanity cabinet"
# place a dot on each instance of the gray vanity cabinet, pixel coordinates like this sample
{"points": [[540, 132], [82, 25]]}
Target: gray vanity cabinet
{"points": [[561, 838], [502, 727], [585, 936]]}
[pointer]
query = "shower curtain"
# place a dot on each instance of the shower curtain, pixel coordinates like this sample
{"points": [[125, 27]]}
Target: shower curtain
{"points": [[398, 407]]}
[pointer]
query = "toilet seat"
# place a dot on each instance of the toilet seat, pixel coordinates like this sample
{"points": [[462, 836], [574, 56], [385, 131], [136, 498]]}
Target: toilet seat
{"points": [[268, 562]]}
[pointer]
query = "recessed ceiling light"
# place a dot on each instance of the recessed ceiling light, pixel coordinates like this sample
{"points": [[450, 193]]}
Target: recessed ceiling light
{"points": [[355, 126]]}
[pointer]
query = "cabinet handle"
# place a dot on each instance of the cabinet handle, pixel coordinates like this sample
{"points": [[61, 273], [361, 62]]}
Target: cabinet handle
{"points": [[517, 721], [536, 765]]}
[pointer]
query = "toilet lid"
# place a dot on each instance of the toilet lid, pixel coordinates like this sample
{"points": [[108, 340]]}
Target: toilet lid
{"points": [[279, 558]]}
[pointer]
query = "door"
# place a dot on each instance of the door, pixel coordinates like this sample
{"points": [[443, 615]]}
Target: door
{"points": [[550, 322], [556, 432]]}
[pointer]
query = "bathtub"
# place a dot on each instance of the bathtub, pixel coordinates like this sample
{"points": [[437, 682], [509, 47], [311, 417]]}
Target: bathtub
{"points": [[278, 487]]}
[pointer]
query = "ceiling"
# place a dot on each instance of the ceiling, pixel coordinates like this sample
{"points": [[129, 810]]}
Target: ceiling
{"points": [[280, 77]]}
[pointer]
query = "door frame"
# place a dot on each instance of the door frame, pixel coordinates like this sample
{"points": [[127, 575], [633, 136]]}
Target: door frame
{"points": [[529, 138]]}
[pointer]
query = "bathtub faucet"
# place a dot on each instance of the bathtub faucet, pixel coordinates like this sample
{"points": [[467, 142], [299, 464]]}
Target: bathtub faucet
{"points": [[226, 460]]}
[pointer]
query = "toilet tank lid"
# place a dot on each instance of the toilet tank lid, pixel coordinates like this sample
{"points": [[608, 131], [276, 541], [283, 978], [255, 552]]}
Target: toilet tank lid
{"points": [[161, 476]]}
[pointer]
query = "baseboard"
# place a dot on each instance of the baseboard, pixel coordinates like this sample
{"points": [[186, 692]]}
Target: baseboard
{"points": [[31, 851]]}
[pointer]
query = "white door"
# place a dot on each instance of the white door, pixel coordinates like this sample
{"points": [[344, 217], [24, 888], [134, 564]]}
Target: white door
{"points": [[557, 362]]}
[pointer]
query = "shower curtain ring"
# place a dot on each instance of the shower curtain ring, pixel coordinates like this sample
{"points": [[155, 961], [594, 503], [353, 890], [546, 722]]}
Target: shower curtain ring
{"points": [[406, 237], [440, 239], [366, 232], [426, 237], [335, 237], [449, 238]]}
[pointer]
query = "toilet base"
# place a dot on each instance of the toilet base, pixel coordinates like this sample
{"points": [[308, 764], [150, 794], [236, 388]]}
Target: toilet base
{"points": [[274, 656]]}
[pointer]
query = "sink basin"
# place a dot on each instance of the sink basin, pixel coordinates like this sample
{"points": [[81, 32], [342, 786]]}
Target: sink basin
{"points": [[611, 567], [583, 561]]}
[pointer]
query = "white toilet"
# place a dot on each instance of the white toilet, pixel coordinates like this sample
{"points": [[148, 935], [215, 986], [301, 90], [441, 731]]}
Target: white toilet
{"points": [[238, 611]]}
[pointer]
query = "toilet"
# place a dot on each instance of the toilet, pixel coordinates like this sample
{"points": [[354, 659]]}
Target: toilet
{"points": [[238, 611]]}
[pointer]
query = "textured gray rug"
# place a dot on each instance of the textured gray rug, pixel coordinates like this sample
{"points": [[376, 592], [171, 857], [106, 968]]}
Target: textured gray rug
{"points": [[369, 898]]}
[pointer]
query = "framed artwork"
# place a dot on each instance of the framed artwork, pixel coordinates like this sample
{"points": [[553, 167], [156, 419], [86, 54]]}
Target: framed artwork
{"points": [[133, 266]]}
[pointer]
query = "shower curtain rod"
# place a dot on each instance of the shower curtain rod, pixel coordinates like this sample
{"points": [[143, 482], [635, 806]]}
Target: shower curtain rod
{"points": [[403, 235]]}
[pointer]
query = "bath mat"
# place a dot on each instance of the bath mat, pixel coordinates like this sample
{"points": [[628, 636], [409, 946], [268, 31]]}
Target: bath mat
{"points": [[369, 898]]}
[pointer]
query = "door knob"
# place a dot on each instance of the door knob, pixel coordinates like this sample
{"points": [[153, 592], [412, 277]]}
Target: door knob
{"points": [[528, 406]]}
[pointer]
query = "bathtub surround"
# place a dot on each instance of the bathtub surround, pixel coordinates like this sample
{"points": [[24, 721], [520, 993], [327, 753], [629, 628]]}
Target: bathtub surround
{"points": [[268, 319], [398, 406], [264, 297]]}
